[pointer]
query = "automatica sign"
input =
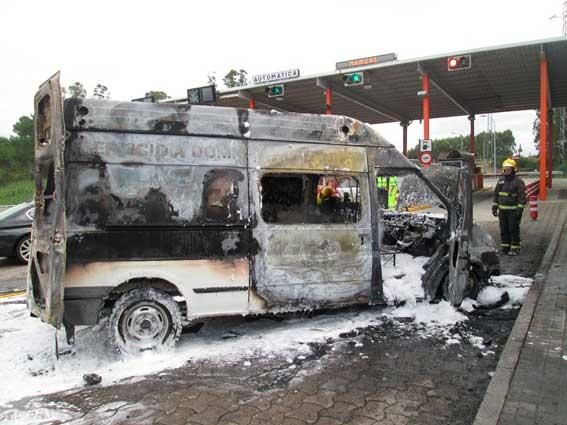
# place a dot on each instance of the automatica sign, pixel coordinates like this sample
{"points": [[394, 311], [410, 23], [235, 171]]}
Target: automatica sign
{"points": [[275, 76]]}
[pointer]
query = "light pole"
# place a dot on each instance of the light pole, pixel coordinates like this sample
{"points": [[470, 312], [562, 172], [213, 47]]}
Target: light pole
{"points": [[490, 134], [494, 142], [562, 112], [460, 138]]}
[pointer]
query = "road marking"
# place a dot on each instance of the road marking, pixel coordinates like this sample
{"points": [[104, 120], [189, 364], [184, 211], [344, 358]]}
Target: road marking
{"points": [[12, 294]]}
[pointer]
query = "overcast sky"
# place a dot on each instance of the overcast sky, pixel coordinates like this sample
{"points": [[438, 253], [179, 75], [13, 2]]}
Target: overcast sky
{"points": [[136, 46]]}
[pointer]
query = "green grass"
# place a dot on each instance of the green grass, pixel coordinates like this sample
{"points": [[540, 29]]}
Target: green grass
{"points": [[16, 192]]}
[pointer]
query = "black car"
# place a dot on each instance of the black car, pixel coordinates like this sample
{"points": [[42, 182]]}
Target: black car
{"points": [[15, 231]]}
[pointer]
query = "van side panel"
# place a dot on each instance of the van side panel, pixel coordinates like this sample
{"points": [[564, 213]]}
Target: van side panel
{"points": [[134, 199], [304, 264], [304, 156], [210, 287], [184, 119]]}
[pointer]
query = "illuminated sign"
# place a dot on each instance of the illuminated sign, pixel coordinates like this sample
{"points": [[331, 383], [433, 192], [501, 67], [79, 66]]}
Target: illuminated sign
{"points": [[275, 76], [275, 91], [455, 63], [425, 145], [353, 79], [371, 60], [202, 95]]}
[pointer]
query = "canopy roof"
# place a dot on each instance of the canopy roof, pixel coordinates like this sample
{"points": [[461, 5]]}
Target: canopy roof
{"points": [[500, 79]]}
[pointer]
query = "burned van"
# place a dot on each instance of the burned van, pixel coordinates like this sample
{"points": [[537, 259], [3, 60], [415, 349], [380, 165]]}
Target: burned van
{"points": [[151, 216]]}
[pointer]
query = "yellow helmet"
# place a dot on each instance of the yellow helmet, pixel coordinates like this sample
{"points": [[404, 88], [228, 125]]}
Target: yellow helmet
{"points": [[327, 191], [509, 163]]}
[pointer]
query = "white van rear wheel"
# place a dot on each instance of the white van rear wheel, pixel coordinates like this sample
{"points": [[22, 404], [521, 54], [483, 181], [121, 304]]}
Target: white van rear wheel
{"points": [[145, 319]]}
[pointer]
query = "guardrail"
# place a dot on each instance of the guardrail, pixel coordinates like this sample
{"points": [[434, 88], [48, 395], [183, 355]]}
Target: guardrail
{"points": [[524, 174]]}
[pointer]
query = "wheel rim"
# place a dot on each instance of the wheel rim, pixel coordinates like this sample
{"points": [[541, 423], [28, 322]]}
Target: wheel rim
{"points": [[145, 325], [25, 249]]}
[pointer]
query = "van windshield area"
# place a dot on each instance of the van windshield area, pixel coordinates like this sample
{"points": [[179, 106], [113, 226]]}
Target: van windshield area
{"points": [[310, 198], [414, 218]]}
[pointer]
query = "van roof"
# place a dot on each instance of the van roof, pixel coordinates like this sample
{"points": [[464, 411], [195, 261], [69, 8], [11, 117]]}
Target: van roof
{"points": [[184, 119]]}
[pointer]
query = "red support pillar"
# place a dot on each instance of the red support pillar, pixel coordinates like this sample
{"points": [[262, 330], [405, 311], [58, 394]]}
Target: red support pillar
{"points": [[328, 101], [543, 122], [550, 148], [425, 104], [472, 144], [405, 138]]}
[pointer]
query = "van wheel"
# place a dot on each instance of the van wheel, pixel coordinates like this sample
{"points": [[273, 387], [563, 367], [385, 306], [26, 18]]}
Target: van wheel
{"points": [[471, 291], [144, 319]]}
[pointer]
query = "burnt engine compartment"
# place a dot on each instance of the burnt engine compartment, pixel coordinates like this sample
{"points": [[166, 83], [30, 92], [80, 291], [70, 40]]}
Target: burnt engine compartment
{"points": [[419, 235], [427, 235]]}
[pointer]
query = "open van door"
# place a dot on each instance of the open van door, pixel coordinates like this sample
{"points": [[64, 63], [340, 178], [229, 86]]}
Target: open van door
{"points": [[46, 271], [461, 234], [448, 272]]}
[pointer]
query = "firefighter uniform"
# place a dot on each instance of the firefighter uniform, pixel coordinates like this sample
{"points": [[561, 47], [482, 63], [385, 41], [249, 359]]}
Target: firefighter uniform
{"points": [[509, 203], [388, 188]]}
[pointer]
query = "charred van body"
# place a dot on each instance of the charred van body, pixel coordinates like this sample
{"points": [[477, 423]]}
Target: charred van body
{"points": [[154, 215]]}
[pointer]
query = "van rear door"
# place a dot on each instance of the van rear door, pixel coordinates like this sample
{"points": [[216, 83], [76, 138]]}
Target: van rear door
{"points": [[47, 262]]}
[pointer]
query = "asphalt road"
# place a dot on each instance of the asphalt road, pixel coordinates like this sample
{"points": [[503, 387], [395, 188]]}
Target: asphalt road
{"points": [[12, 275]]}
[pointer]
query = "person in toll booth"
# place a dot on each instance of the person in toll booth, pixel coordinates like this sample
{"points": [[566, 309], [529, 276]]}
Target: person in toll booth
{"points": [[508, 206]]}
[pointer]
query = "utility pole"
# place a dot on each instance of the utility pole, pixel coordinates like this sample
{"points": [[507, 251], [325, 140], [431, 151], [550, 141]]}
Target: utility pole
{"points": [[494, 142], [562, 115]]}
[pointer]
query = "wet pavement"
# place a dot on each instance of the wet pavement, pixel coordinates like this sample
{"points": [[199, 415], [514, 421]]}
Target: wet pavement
{"points": [[530, 382], [12, 275], [387, 374]]}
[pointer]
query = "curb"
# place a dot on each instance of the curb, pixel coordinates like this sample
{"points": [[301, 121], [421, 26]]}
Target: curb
{"points": [[493, 402], [11, 294]]}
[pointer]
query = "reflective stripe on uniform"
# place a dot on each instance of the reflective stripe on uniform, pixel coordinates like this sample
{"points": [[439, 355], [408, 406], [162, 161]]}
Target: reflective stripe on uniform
{"points": [[505, 245], [507, 207], [521, 206], [515, 246], [503, 194]]}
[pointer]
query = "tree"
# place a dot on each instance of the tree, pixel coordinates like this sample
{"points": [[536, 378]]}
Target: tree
{"points": [[101, 92], [77, 90], [211, 78], [505, 146], [235, 78], [442, 145], [157, 95], [558, 150], [24, 128], [16, 152]]}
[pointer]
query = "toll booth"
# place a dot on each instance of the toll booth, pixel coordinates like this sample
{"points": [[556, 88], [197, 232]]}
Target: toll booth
{"points": [[455, 158]]}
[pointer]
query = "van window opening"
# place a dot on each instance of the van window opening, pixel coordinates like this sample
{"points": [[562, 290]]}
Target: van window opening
{"points": [[310, 198]]}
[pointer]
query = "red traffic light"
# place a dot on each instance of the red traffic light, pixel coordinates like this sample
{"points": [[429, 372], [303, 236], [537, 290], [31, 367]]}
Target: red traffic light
{"points": [[458, 62]]}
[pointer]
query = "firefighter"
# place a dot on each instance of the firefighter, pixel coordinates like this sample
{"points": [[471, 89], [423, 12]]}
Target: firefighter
{"points": [[387, 191], [508, 206]]}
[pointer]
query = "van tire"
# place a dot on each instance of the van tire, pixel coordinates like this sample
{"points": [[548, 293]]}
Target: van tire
{"points": [[471, 291], [144, 319]]}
